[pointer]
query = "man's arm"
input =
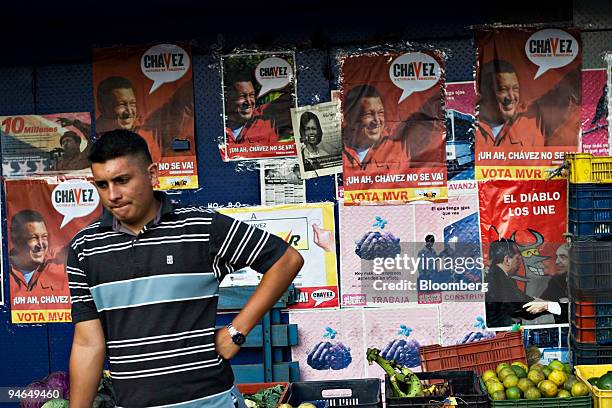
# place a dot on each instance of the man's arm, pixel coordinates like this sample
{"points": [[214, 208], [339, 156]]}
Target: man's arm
{"points": [[86, 363], [273, 284]]}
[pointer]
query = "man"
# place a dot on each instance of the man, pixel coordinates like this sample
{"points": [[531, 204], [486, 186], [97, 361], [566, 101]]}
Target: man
{"points": [[118, 108], [35, 270], [145, 283], [503, 299], [73, 158], [251, 124], [506, 121]]}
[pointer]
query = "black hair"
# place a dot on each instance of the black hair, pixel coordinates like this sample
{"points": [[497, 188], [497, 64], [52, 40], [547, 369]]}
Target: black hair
{"points": [[354, 95], [502, 248], [19, 220], [104, 94], [119, 143], [71, 135], [304, 119], [430, 238], [488, 72]]}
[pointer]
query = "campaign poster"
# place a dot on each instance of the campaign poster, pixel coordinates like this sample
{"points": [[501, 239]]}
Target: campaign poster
{"points": [[399, 333], [330, 344], [339, 186], [308, 228], [528, 84], [36, 145], [393, 127], [522, 227], [42, 217], [368, 233], [281, 182], [460, 118], [450, 231], [594, 121], [149, 90], [318, 138], [460, 319], [259, 90]]}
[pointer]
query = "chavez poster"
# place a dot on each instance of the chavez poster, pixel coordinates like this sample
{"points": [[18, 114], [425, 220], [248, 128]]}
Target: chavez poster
{"points": [[42, 144], [42, 217], [259, 90], [522, 229], [308, 228], [595, 138], [393, 127], [149, 90], [529, 88]]}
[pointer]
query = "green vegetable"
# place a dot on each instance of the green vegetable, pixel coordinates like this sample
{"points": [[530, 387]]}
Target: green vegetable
{"points": [[266, 398], [56, 403], [605, 382], [404, 383]]}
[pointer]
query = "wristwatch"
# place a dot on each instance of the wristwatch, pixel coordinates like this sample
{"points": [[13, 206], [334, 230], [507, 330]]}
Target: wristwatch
{"points": [[237, 337]]}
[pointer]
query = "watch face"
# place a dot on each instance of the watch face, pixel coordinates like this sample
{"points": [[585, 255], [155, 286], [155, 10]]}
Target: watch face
{"points": [[238, 339]]}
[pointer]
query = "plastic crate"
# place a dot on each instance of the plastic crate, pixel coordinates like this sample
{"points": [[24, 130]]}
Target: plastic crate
{"points": [[586, 168], [590, 267], [464, 386], [478, 356], [253, 388], [589, 354], [601, 398], [590, 209], [592, 322], [337, 393]]}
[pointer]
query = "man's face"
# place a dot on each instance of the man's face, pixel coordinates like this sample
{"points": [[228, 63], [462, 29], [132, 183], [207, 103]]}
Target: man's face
{"points": [[124, 108], [125, 185], [506, 94], [514, 264], [70, 145], [36, 242], [370, 123], [243, 104], [562, 260], [311, 131]]}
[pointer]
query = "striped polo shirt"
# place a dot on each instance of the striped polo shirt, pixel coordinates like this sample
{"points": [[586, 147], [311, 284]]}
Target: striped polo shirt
{"points": [[156, 295]]}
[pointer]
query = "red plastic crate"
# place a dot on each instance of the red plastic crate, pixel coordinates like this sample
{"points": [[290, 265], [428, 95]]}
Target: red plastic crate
{"points": [[478, 356], [253, 388], [592, 322]]}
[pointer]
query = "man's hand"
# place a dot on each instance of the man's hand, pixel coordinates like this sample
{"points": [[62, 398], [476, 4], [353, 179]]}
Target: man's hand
{"points": [[324, 238], [224, 344], [536, 307]]}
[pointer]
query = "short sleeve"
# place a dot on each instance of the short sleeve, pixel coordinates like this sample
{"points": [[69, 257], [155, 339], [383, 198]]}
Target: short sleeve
{"points": [[235, 244], [83, 306]]}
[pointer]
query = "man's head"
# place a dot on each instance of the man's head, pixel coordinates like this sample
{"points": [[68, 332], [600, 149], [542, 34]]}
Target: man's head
{"points": [[430, 241], [562, 260], [240, 94], [124, 175], [310, 129], [30, 239], [499, 87], [117, 101], [506, 255], [71, 143], [364, 115]]}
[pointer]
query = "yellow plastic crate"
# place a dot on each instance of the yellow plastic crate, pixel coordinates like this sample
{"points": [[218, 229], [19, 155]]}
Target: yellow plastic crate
{"points": [[586, 168], [601, 398]]}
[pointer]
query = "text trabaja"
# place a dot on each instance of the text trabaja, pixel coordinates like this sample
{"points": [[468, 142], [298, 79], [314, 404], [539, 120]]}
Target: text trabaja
{"points": [[551, 46], [163, 60], [417, 70]]}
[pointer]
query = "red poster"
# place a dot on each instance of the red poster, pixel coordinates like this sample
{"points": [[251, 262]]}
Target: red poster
{"points": [[528, 84], [529, 218], [595, 139], [42, 217], [393, 127], [149, 90]]}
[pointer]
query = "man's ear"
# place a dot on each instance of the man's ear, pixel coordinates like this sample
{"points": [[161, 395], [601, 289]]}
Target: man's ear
{"points": [[153, 171]]}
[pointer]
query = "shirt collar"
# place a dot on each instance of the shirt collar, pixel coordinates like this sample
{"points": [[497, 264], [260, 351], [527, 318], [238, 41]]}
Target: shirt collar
{"points": [[109, 221]]}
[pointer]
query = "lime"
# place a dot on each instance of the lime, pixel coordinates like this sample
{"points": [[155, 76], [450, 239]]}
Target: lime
{"points": [[548, 388], [533, 393], [513, 393]]}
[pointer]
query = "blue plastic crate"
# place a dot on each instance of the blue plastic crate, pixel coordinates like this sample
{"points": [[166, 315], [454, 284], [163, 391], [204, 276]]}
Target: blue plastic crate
{"points": [[589, 353], [590, 209], [363, 393], [592, 323], [591, 266]]}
